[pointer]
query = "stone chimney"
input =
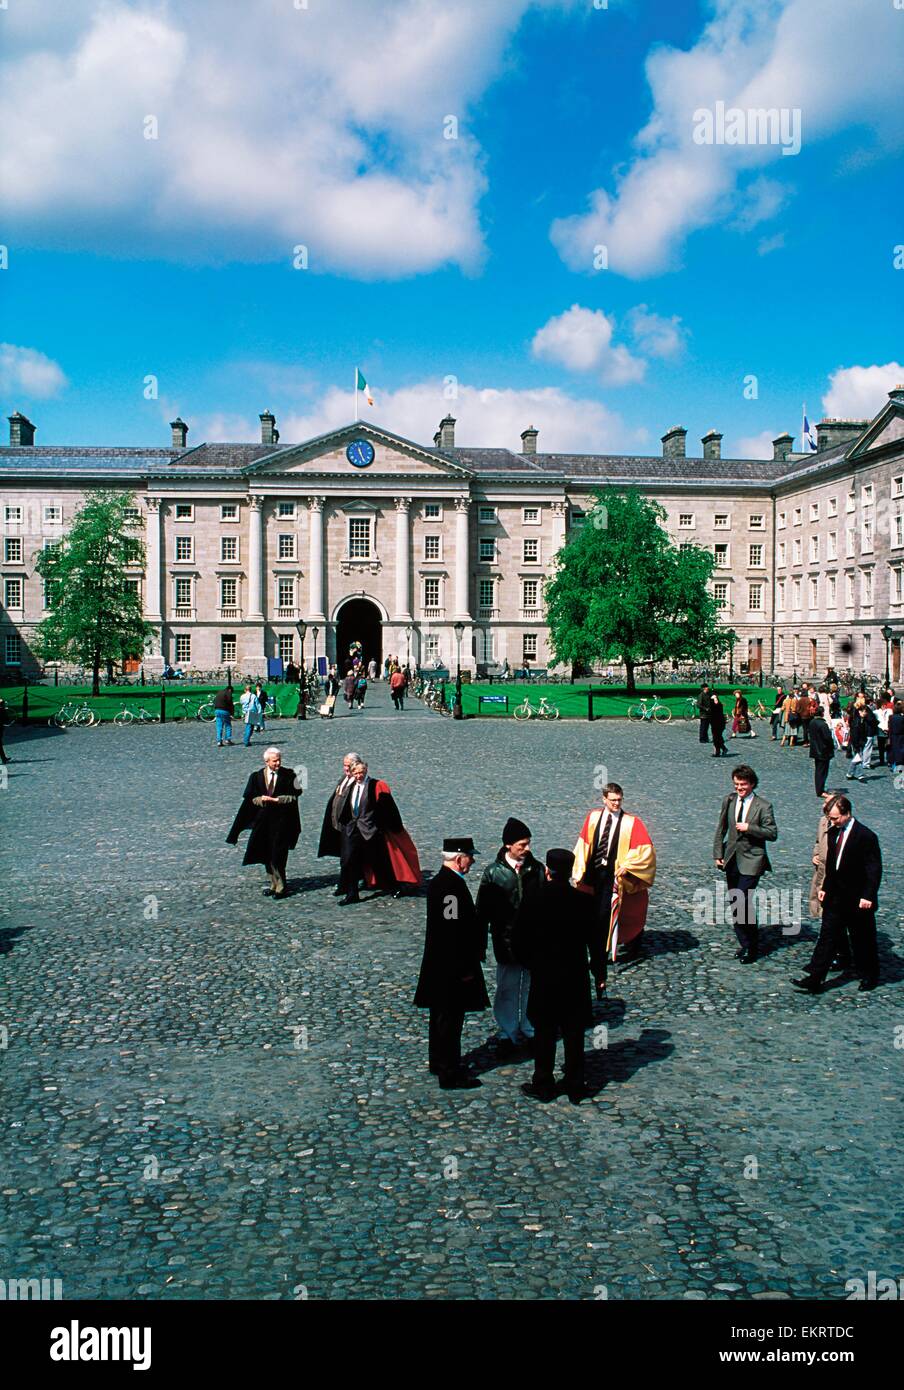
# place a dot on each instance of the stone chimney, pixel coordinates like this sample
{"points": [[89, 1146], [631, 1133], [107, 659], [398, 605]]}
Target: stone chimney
{"points": [[269, 432], [529, 440], [180, 432], [712, 445], [447, 433], [436, 439], [896, 393], [673, 442], [833, 432], [21, 430], [782, 446]]}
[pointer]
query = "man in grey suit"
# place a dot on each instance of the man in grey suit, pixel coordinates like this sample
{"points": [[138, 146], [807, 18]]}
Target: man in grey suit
{"points": [[746, 822]]}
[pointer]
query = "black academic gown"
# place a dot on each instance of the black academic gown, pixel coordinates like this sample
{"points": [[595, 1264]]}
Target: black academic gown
{"points": [[454, 947], [274, 829], [331, 838], [557, 940]]}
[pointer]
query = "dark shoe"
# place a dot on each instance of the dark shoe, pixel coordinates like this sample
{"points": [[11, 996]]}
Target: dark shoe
{"points": [[840, 964], [867, 985], [337, 892], [459, 1082], [349, 901], [748, 958], [505, 1047], [808, 985], [544, 1097], [575, 1097]]}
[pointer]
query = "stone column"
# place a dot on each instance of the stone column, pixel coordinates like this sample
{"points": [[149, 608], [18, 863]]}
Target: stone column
{"points": [[315, 581], [558, 526], [152, 562], [403, 562], [462, 559], [255, 558]]}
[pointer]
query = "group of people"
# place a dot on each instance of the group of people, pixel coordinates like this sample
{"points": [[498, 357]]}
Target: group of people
{"points": [[253, 705]]}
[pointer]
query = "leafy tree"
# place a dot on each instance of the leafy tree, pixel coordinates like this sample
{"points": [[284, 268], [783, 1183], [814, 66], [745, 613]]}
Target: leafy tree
{"points": [[95, 614], [623, 591]]}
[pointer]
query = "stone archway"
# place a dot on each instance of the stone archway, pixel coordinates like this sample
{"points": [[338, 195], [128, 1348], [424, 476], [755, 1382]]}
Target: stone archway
{"points": [[359, 620]]}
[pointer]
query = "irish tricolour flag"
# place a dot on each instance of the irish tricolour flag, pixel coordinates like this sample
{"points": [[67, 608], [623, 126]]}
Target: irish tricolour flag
{"points": [[361, 385]]}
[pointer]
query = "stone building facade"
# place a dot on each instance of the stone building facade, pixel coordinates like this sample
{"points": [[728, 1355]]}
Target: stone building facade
{"points": [[422, 551]]}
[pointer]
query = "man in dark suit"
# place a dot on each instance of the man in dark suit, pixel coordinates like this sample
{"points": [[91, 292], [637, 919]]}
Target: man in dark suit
{"points": [[704, 702], [359, 830], [849, 897], [269, 810], [746, 823], [451, 981], [331, 831], [555, 938], [822, 749]]}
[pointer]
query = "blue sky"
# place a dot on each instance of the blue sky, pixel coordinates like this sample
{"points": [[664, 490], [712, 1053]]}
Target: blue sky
{"points": [[432, 258]]}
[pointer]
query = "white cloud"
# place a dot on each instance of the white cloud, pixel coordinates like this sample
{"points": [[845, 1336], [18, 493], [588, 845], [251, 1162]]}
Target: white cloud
{"points": [[29, 372], [581, 340], [859, 393], [486, 417], [759, 202], [655, 335], [767, 244], [276, 127], [755, 446], [809, 55]]}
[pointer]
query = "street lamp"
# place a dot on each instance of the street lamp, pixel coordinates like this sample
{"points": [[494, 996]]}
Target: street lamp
{"points": [[887, 633], [316, 631], [408, 653], [303, 690], [456, 707]]}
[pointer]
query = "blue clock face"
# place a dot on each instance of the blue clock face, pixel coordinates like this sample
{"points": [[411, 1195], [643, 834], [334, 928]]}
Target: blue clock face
{"points": [[360, 453]]}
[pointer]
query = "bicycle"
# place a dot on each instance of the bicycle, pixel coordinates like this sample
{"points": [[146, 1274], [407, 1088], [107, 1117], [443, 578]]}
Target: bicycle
{"points": [[132, 716], [186, 709], [658, 712], [82, 716], [760, 711], [690, 709], [544, 710]]}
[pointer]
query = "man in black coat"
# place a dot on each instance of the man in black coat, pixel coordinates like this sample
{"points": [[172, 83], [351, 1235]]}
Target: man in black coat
{"points": [[704, 700], [269, 810], [554, 938], [451, 981], [822, 750], [849, 897]]}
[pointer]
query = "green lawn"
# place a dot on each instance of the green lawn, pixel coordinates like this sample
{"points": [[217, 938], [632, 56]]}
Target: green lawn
{"points": [[45, 700], [571, 700]]}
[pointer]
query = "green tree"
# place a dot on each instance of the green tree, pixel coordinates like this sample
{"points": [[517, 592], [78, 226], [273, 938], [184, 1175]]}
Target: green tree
{"points": [[95, 613], [623, 591]]}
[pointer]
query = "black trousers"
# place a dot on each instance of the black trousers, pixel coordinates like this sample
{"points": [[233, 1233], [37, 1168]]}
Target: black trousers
{"points": [[353, 851], [704, 726], [842, 925], [545, 1057], [743, 909], [444, 1047], [718, 740], [820, 773], [603, 899]]}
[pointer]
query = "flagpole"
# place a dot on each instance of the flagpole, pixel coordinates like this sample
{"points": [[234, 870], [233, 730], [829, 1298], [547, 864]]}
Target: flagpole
{"points": [[356, 395]]}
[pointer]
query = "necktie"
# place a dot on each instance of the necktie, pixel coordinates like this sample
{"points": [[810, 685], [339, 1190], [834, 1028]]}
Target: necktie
{"points": [[606, 838], [739, 813], [356, 799], [840, 846]]}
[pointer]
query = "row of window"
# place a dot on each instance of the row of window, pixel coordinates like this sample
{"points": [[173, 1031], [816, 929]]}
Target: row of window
{"points": [[755, 596], [687, 521], [831, 594], [867, 497], [867, 535], [830, 652], [431, 648]]}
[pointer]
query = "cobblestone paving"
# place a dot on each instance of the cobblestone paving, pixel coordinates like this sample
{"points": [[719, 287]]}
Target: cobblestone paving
{"points": [[209, 1094]]}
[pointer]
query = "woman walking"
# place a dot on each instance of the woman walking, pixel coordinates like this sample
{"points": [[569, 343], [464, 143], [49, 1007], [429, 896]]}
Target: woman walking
{"points": [[360, 688], [251, 712], [789, 719], [740, 722], [776, 717]]}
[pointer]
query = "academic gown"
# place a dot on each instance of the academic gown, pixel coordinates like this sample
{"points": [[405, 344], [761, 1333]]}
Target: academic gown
{"points": [[454, 947], [274, 829], [557, 940]]}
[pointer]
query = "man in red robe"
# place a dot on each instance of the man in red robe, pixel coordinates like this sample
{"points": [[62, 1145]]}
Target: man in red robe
{"points": [[375, 845], [614, 859]]}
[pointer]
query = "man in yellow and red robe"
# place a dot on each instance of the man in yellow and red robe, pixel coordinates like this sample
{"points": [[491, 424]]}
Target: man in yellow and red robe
{"points": [[614, 859]]}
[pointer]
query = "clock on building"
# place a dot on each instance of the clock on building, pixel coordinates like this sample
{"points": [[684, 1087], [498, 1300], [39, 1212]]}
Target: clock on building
{"points": [[360, 453]]}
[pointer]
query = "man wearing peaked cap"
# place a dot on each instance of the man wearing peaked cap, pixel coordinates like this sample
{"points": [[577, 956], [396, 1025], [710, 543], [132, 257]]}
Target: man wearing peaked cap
{"points": [[554, 938], [504, 887], [451, 981]]}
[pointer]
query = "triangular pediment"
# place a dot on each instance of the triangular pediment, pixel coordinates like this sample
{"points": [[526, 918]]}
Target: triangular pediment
{"points": [[326, 456], [886, 430]]}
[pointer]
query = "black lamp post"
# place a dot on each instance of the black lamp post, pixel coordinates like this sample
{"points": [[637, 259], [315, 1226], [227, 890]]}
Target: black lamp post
{"points": [[457, 712], [316, 632], [408, 652], [887, 634], [303, 685]]}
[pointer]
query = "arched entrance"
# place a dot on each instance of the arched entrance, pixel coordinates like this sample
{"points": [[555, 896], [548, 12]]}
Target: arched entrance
{"points": [[358, 620]]}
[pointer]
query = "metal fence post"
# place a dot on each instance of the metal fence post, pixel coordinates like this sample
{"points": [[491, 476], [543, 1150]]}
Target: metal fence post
{"points": [[162, 700]]}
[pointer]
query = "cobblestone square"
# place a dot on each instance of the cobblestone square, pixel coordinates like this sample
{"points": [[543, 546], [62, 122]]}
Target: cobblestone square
{"points": [[207, 1094]]}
